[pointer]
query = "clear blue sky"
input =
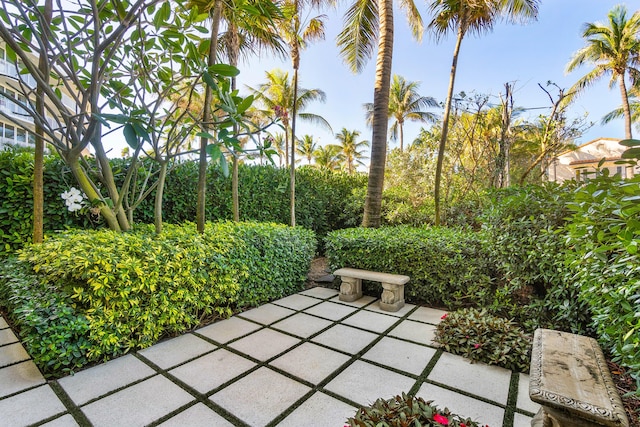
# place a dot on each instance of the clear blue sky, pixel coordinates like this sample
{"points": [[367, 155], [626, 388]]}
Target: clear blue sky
{"points": [[525, 54]]}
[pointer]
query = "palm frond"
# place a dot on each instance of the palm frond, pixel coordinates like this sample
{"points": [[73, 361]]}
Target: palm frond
{"points": [[357, 41]]}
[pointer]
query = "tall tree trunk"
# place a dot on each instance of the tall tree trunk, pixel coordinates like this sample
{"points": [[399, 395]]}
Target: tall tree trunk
{"points": [[625, 107], [501, 173], [401, 135], [233, 48], [373, 202], [206, 119], [293, 148], [157, 205], [445, 125], [38, 161]]}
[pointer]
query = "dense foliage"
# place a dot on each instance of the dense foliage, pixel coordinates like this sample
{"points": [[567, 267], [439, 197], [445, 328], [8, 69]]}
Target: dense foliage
{"points": [[90, 295], [447, 266], [605, 236], [477, 335], [407, 411], [526, 238]]}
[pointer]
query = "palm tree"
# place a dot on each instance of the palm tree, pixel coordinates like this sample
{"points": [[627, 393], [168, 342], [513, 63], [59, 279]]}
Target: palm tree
{"points": [[297, 34], [349, 148], [614, 50], [276, 95], [327, 157], [367, 23], [306, 147], [405, 104], [463, 17]]}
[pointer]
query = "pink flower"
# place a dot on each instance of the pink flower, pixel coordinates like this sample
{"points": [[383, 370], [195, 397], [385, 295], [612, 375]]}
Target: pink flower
{"points": [[463, 425], [440, 419], [444, 316], [476, 346]]}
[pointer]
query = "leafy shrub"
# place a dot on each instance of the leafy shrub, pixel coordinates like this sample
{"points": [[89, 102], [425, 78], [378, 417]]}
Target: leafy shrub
{"points": [[479, 336], [276, 258], [605, 234], [52, 331], [406, 411], [446, 266], [105, 293], [526, 238]]}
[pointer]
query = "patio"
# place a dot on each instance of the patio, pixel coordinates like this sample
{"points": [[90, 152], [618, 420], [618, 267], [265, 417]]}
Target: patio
{"points": [[305, 360]]}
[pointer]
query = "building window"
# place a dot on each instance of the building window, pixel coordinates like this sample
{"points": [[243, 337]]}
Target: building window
{"points": [[21, 137], [578, 175]]}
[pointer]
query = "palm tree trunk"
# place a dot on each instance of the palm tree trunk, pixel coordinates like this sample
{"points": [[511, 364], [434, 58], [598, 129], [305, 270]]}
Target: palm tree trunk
{"points": [[401, 136], [38, 160], [233, 50], [625, 107], [445, 125], [373, 202], [206, 119], [293, 147]]}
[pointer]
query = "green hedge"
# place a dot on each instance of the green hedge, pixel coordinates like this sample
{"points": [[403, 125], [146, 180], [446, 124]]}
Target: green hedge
{"points": [[446, 266], [91, 295]]}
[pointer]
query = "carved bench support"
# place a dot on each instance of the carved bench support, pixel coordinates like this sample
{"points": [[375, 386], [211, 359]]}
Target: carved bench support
{"points": [[392, 286], [350, 289], [392, 297]]}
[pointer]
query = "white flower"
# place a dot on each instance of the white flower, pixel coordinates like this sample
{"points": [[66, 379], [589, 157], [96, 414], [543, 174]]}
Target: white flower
{"points": [[74, 199]]}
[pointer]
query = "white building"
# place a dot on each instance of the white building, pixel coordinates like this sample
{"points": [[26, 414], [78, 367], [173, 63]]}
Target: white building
{"points": [[582, 163]]}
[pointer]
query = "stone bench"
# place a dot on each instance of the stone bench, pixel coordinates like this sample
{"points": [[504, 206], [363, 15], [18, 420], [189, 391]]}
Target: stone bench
{"points": [[571, 380], [392, 286]]}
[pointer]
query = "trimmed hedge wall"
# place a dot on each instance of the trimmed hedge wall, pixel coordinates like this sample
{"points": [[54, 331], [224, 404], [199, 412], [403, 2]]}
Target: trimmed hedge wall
{"points": [[84, 296], [447, 266]]}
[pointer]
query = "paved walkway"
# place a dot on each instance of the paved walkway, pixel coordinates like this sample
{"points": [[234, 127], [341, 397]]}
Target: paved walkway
{"points": [[306, 360]]}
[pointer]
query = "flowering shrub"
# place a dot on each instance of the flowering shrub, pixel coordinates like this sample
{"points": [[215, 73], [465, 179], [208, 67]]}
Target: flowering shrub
{"points": [[479, 336], [407, 411]]}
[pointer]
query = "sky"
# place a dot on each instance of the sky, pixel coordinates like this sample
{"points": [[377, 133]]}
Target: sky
{"points": [[525, 55]]}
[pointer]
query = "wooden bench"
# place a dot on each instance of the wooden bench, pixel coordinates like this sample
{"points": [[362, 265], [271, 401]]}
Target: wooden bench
{"points": [[392, 298], [571, 380]]}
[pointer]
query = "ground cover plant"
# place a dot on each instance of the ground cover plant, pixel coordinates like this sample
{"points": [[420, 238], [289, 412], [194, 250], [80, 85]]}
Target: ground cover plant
{"points": [[480, 336], [87, 295], [406, 411]]}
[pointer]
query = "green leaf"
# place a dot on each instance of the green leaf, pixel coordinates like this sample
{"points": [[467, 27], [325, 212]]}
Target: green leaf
{"points": [[130, 135], [224, 70], [214, 152], [208, 79]]}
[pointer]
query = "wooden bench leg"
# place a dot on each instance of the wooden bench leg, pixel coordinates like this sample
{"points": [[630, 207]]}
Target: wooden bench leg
{"points": [[392, 297], [350, 289]]}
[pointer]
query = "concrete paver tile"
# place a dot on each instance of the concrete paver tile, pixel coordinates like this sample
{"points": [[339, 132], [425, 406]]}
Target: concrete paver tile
{"points": [[404, 310], [523, 401], [402, 355], [7, 337], [361, 302], [12, 353], [330, 310], [415, 331], [63, 421], [267, 314], [260, 396], [100, 380], [197, 416], [228, 330], [458, 372], [467, 407], [30, 407], [264, 344], [19, 377], [520, 420], [296, 302], [137, 405], [3, 323], [345, 338], [321, 410], [302, 325], [363, 383], [320, 292], [370, 321], [310, 362], [428, 315], [177, 350], [212, 370]]}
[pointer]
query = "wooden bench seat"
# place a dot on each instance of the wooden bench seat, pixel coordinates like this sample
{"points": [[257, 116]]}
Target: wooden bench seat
{"points": [[571, 380], [392, 298]]}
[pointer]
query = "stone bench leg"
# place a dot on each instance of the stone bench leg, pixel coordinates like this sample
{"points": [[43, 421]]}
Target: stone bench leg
{"points": [[350, 289], [392, 297]]}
